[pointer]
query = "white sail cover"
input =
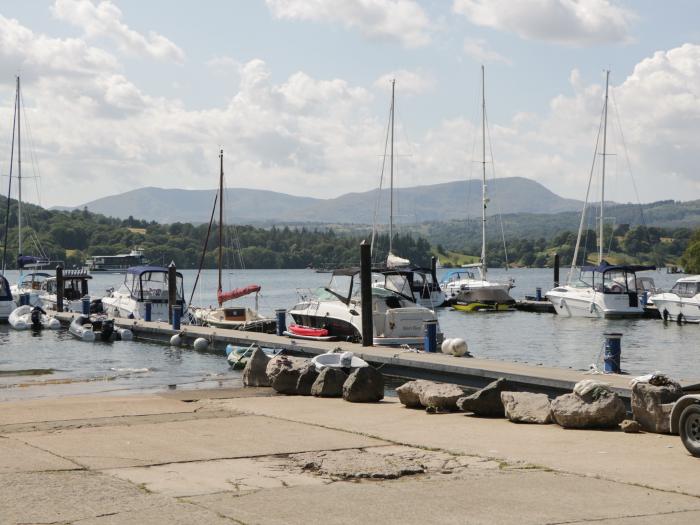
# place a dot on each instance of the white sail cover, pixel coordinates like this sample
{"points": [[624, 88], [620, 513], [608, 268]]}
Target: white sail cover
{"points": [[394, 261]]}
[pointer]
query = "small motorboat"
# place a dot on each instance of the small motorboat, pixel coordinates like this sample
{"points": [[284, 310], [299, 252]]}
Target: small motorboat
{"points": [[35, 317], [88, 328], [338, 360], [81, 328], [308, 332]]}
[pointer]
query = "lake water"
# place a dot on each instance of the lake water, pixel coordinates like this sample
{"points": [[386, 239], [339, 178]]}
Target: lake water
{"points": [[546, 339]]}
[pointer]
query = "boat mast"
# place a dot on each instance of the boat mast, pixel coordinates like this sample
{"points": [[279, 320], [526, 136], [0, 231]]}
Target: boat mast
{"points": [[19, 174], [391, 173], [221, 218], [483, 179], [602, 181]]}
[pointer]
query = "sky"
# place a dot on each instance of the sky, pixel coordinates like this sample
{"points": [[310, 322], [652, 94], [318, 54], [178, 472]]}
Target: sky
{"points": [[126, 94]]}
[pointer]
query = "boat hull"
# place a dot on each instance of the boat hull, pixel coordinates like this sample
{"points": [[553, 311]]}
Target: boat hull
{"points": [[671, 307], [574, 302]]}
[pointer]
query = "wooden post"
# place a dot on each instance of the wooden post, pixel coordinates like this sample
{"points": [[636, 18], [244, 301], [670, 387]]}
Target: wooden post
{"points": [[556, 270], [59, 289], [366, 294], [172, 289]]}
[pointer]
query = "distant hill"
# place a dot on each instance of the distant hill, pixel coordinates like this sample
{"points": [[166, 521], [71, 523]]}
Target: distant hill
{"points": [[437, 202]]}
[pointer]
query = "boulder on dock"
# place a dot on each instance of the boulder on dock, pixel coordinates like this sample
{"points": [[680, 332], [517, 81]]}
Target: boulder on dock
{"points": [[409, 393], [255, 371], [527, 407], [604, 409], [329, 383], [440, 397], [307, 378], [652, 405], [487, 401], [284, 371], [364, 385]]}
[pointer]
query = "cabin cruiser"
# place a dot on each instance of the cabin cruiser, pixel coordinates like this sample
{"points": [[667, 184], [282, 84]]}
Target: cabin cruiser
{"points": [[75, 287], [423, 283], [30, 284], [143, 284], [465, 279], [682, 302], [397, 319], [7, 304], [605, 290]]}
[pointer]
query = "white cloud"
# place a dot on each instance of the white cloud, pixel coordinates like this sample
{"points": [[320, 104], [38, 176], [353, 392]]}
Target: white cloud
{"points": [[402, 20], [573, 22], [476, 48], [407, 82], [104, 20]]}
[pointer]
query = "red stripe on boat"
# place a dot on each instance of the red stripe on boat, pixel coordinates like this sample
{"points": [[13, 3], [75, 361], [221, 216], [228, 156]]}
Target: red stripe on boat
{"points": [[307, 330]]}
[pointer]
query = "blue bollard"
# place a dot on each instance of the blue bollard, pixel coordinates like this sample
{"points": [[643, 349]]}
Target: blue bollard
{"points": [[538, 294], [430, 338], [148, 305], [85, 301], [177, 315], [613, 353], [23, 299], [281, 315]]}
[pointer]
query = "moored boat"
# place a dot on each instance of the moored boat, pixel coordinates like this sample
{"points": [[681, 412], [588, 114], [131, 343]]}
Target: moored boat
{"points": [[7, 304], [682, 302], [27, 316], [75, 287]]}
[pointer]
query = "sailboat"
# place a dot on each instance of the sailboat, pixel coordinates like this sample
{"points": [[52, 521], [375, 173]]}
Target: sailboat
{"points": [[467, 290], [233, 317], [423, 281], [605, 290], [30, 284]]}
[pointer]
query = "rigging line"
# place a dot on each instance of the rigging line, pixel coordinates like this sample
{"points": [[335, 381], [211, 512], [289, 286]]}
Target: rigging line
{"points": [[627, 159], [9, 190], [379, 195], [204, 248], [498, 202], [585, 202]]}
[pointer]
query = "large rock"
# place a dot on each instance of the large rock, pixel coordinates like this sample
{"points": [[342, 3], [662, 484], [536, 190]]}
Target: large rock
{"points": [[572, 411], [526, 407], [441, 397], [487, 401], [254, 373], [329, 383], [284, 371], [307, 378], [364, 385], [409, 393], [652, 405]]}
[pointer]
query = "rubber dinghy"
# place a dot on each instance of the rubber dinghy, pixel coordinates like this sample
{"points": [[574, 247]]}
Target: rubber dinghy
{"points": [[89, 329], [334, 359], [28, 316], [308, 332]]}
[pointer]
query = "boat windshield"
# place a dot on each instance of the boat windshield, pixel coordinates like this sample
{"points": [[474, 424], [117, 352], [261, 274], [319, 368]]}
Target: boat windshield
{"points": [[4, 291], [618, 281], [153, 286], [33, 280], [338, 288], [682, 289]]}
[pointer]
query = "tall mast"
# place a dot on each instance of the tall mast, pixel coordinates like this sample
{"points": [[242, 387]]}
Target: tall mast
{"points": [[391, 173], [483, 179], [221, 217], [602, 181], [19, 172]]}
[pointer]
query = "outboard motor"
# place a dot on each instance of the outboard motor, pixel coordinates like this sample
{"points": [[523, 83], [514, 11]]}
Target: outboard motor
{"points": [[107, 329], [96, 306], [36, 317]]}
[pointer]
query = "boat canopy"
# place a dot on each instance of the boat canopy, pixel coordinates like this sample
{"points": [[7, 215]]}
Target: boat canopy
{"points": [[604, 266], [5, 294], [222, 297], [29, 261], [138, 270], [348, 272]]}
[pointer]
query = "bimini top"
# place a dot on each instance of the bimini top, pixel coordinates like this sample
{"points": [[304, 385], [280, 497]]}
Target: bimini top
{"points": [[138, 270], [349, 272], [605, 266]]}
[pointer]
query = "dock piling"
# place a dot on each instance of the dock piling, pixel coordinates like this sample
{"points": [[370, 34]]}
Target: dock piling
{"points": [[613, 352], [148, 307], [177, 314], [366, 293], [59, 288], [85, 301], [430, 337], [172, 292], [556, 270]]}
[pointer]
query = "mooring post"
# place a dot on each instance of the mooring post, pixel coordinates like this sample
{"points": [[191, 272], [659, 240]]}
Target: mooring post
{"points": [[430, 336], [59, 289], [177, 314], [366, 294], [172, 291], [148, 307], [556, 270], [281, 316], [613, 353], [86, 304]]}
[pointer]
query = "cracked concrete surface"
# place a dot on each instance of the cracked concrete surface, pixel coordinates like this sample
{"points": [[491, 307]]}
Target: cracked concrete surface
{"points": [[273, 460]]}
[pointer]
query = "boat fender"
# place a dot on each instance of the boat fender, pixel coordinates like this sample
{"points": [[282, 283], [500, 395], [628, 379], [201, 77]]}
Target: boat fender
{"points": [[200, 344], [458, 347], [176, 340], [54, 324], [125, 334], [446, 346]]}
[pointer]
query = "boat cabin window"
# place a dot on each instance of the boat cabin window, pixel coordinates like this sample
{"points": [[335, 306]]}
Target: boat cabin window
{"points": [[616, 281], [339, 287], [399, 284], [458, 276], [153, 286], [685, 289]]}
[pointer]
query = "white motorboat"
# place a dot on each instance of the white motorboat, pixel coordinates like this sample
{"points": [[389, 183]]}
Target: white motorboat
{"points": [[604, 290], [337, 308], [28, 316], [143, 284], [75, 287], [459, 286], [31, 285], [7, 304], [682, 302]]}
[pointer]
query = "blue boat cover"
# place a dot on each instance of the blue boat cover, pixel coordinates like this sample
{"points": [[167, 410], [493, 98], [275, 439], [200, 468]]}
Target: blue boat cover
{"points": [[605, 266], [26, 260]]}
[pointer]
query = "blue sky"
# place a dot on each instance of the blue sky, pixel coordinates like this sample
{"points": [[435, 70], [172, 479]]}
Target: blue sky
{"points": [[130, 94]]}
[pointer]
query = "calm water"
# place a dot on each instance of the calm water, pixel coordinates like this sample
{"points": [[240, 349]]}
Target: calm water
{"points": [[647, 345]]}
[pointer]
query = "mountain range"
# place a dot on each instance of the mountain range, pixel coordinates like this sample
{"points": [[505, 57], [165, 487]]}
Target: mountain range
{"points": [[436, 202]]}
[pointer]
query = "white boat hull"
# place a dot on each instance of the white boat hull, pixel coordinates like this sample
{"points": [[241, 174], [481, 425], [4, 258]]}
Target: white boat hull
{"points": [[671, 307], [6, 308], [21, 319], [569, 301]]}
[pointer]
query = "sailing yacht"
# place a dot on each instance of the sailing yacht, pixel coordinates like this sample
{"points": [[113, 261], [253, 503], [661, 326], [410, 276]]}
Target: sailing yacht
{"points": [[232, 317], [603, 290], [469, 289], [425, 288]]}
